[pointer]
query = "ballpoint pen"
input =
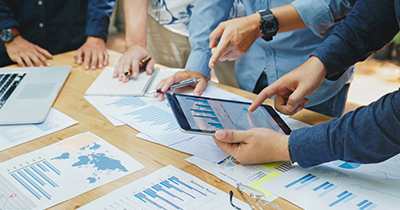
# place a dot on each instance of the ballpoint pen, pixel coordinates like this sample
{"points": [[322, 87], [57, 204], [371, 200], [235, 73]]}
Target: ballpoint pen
{"points": [[141, 64], [181, 84]]}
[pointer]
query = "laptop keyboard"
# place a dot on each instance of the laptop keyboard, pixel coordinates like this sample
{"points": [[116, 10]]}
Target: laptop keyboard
{"points": [[8, 83]]}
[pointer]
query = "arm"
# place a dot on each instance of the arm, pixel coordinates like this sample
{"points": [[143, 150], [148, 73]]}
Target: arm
{"points": [[207, 14], [19, 49], [239, 34], [362, 32], [367, 135], [93, 52], [135, 36]]}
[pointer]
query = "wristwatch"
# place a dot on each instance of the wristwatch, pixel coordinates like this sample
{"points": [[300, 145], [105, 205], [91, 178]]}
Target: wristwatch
{"points": [[8, 34], [268, 25]]}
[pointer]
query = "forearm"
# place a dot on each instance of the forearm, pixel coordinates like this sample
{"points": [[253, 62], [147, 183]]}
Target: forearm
{"points": [[98, 20], [6, 16], [367, 135], [135, 12], [361, 33], [207, 14], [288, 18]]}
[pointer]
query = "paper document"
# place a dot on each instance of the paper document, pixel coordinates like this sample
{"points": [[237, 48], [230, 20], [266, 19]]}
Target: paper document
{"points": [[13, 135], [341, 185], [200, 146], [53, 174], [167, 188], [106, 85], [106, 105]]}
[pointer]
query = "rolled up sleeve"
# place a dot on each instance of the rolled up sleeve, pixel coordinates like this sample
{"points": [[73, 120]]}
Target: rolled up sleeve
{"points": [[99, 13]]}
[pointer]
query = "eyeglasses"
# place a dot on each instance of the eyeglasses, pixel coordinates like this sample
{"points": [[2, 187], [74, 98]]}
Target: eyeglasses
{"points": [[259, 198]]}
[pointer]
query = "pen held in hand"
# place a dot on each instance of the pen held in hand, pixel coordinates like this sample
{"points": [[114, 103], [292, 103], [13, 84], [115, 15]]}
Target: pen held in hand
{"points": [[141, 65], [181, 84]]}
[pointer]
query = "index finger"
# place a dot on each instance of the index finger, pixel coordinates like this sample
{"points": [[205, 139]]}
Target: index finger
{"points": [[218, 51], [214, 36], [267, 92]]}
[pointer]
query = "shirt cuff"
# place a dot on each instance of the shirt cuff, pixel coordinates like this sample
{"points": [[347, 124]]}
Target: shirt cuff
{"points": [[309, 146], [315, 14], [198, 61]]}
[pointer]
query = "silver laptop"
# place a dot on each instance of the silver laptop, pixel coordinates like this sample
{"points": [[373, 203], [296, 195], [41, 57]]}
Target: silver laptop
{"points": [[27, 94]]}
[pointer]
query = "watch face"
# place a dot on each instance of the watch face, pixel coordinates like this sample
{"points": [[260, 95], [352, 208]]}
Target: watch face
{"points": [[269, 26], [6, 35]]}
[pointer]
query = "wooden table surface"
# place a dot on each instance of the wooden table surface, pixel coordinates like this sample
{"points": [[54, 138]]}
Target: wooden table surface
{"points": [[153, 156]]}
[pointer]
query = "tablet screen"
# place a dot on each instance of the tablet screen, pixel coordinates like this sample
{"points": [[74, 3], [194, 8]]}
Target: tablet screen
{"points": [[210, 115]]}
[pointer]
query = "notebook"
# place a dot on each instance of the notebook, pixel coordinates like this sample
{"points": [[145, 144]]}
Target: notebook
{"points": [[106, 85], [27, 94]]}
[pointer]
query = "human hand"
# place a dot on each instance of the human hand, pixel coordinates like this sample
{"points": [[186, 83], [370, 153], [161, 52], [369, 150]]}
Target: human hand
{"points": [[291, 89], [131, 60], [93, 52], [237, 36], [25, 53], [179, 77], [258, 145]]}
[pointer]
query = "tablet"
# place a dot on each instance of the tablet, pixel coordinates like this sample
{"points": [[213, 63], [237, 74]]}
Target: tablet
{"points": [[202, 115]]}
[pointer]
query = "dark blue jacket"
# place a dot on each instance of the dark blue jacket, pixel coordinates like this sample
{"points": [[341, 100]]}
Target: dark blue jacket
{"points": [[56, 25], [370, 134]]}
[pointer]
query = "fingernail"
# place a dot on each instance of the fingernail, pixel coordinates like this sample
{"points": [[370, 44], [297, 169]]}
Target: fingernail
{"points": [[86, 67], [48, 64], [220, 134], [290, 108], [196, 93], [212, 65], [93, 67], [135, 74], [100, 66]]}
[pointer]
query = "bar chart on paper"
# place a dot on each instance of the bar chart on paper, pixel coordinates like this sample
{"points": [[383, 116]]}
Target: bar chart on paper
{"points": [[106, 105], [72, 166], [167, 188], [318, 191], [154, 117]]}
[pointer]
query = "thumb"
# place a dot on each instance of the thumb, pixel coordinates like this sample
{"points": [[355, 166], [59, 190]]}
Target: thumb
{"points": [[231, 136]]}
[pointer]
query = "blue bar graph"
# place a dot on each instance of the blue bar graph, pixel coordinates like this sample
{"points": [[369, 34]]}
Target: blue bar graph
{"points": [[298, 180], [42, 167], [52, 167], [207, 117], [155, 116], [177, 181], [197, 100], [34, 193], [30, 181], [199, 111], [168, 185], [41, 174], [342, 197], [307, 181], [365, 204], [40, 181], [161, 189], [153, 194], [143, 198], [128, 101], [217, 125], [204, 106]]}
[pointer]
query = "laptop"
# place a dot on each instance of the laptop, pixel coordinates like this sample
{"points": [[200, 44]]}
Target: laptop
{"points": [[27, 94]]}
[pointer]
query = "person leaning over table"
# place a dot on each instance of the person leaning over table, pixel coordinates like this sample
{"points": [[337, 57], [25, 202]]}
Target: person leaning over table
{"points": [[158, 28], [367, 135], [266, 60], [33, 31]]}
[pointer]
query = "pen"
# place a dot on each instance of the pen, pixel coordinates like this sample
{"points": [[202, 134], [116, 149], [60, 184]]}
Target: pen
{"points": [[181, 84], [141, 64]]}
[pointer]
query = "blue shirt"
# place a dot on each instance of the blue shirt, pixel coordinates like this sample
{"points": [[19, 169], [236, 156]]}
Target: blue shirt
{"points": [[284, 53], [370, 134], [56, 25]]}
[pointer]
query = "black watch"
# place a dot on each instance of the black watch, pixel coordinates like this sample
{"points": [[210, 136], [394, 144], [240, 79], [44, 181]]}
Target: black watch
{"points": [[8, 34], [268, 25]]}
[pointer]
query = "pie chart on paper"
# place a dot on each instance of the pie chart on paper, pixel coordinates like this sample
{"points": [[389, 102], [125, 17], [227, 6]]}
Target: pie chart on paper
{"points": [[346, 165]]}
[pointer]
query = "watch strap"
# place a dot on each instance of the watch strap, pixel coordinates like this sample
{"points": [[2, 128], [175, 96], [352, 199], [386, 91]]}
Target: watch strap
{"points": [[269, 25]]}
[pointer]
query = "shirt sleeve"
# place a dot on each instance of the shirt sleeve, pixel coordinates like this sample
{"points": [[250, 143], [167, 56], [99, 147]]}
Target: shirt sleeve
{"points": [[362, 32], [6, 17], [99, 12], [367, 135], [207, 14]]}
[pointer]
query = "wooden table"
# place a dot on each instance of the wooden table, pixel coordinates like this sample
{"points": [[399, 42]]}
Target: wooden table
{"points": [[71, 102]]}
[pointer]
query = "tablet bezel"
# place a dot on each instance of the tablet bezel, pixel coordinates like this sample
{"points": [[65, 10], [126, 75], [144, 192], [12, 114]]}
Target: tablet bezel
{"points": [[185, 126]]}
